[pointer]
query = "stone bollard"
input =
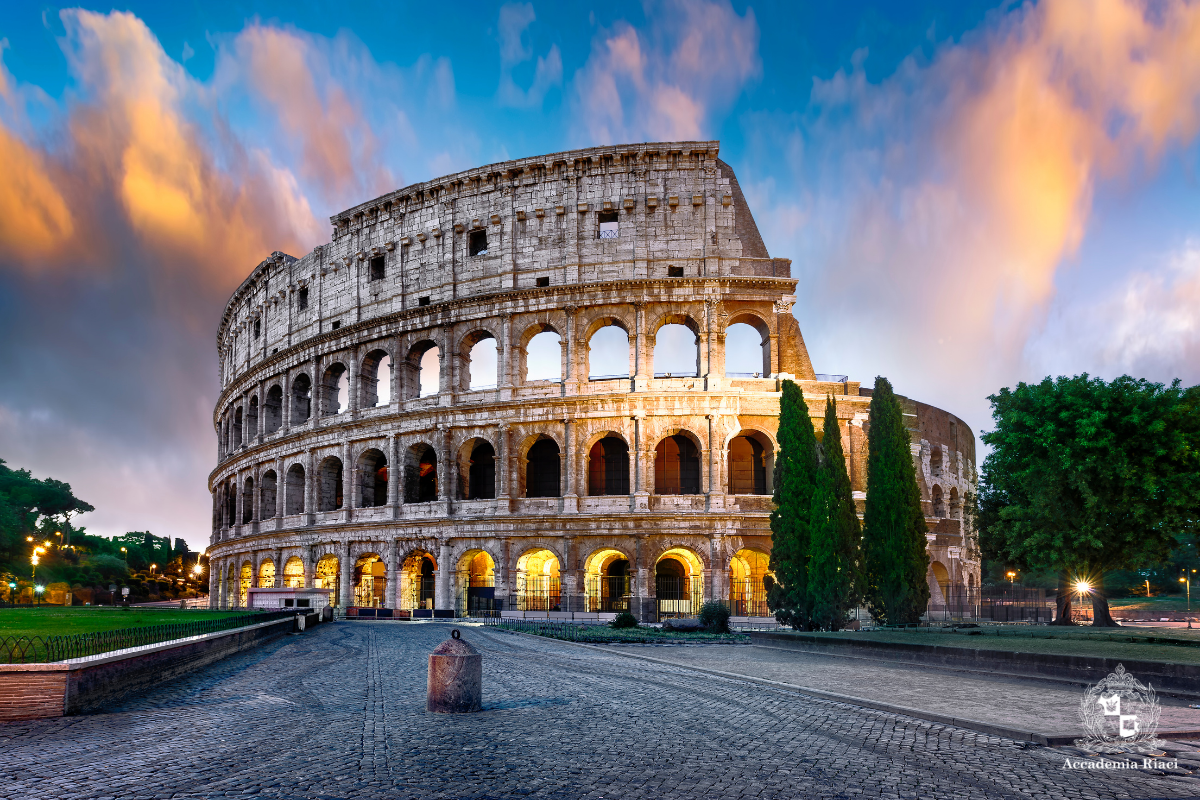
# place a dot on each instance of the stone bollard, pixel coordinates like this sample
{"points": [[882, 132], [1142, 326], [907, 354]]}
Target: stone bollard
{"points": [[455, 678]]}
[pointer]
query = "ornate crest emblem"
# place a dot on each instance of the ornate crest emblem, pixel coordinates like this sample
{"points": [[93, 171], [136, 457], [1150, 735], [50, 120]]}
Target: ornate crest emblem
{"points": [[1119, 714]]}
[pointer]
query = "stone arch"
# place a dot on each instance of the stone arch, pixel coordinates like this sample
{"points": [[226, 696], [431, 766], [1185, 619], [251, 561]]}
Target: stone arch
{"points": [[301, 399], [666, 336], [273, 409], [327, 575], [741, 350], [236, 440], [266, 574], [955, 504], [751, 462], [420, 473], [939, 580], [231, 502], [678, 467], [541, 456], [476, 469], [422, 372], [417, 580], [252, 419], [293, 573], [375, 379], [749, 569], [268, 494], [609, 465], [939, 504], [544, 353], [245, 578], [678, 582], [479, 353], [329, 484], [230, 598], [539, 580], [608, 580], [335, 390], [475, 583], [609, 349], [935, 460], [372, 478], [247, 501], [293, 492], [369, 581]]}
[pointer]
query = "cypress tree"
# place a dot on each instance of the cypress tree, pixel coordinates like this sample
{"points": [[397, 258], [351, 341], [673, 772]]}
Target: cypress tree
{"points": [[835, 535], [795, 476], [895, 563]]}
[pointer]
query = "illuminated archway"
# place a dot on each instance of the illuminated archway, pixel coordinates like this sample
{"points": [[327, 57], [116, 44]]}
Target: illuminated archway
{"points": [[266, 574], [244, 581], [417, 582], [293, 573], [538, 582], [475, 581], [370, 581], [747, 587], [607, 576], [678, 580], [327, 577]]}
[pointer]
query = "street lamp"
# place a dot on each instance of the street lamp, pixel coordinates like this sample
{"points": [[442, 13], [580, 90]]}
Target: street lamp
{"points": [[125, 555], [37, 590], [37, 551], [152, 566]]}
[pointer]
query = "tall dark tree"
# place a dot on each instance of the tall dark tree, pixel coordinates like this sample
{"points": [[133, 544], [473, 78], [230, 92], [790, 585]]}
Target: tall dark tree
{"points": [[795, 478], [1085, 477], [24, 500], [895, 563], [835, 532]]}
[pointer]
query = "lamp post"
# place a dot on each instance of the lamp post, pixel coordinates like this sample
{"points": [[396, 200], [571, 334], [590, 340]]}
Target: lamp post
{"points": [[1186, 580], [37, 591], [152, 567], [125, 555]]}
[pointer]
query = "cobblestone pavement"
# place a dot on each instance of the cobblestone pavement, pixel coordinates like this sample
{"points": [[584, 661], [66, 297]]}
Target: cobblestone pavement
{"points": [[1041, 706], [339, 713]]}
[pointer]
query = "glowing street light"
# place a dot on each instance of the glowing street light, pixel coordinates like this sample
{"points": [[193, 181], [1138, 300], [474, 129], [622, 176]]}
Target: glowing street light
{"points": [[37, 590], [1012, 576], [152, 567]]}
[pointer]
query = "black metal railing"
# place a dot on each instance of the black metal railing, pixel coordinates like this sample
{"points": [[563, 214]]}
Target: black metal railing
{"points": [[676, 596], [992, 604], [538, 593], [748, 598], [608, 594], [46, 649]]}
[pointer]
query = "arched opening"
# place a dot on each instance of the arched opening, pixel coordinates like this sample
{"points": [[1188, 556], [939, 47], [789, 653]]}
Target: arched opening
{"points": [[237, 428], [231, 593], [935, 461], [375, 380], [231, 503], [608, 353], [477, 470], [329, 484], [335, 390], [420, 474], [750, 463], [248, 501], [939, 504], [417, 582], [294, 490], [608, 467], [252, 420], [955, 504], [476, 584], [301, 399], [325, 576], [428, 359], [678, 583], [607, 575], [677, 466], [941, 577], [676, 352], [747, 349], [480, 352], [542, 359], [373, 478], [293, 573], [538, 582], [542, 469], [370, 581], [244, 580], [268, 494], [266, 574], [748, 570], [273, 410]]}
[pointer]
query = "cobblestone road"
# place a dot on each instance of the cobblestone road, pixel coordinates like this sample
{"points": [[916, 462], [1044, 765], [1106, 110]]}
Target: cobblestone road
{"points": [[339, 713]]}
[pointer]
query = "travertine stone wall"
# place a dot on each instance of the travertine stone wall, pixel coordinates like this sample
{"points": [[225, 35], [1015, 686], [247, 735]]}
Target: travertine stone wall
{"points": [[398, 278]]}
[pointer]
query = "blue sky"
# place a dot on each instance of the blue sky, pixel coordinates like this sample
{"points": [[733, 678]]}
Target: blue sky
{"points": [[972, 194]]}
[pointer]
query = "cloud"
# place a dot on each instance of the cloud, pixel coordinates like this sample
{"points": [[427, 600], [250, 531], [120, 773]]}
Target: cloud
{"points": [[667, 82], [515, 19], [937, 207]]}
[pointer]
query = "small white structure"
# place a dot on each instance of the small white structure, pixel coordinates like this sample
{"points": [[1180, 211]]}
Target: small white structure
{"points": [[289, 598]]}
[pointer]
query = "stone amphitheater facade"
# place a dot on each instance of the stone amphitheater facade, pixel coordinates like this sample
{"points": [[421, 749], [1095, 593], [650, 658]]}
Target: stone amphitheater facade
{"points": [[366, 447]]}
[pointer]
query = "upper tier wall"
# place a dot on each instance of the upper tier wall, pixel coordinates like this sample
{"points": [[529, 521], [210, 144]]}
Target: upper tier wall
{"points": [[679, 212]]}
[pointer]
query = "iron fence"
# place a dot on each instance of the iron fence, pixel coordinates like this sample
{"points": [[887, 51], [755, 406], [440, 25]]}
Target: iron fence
{"points": [[994, 604], [608, 593], [476, 596], [748, 598], [677, 597], [538, 593], [47, 649]]}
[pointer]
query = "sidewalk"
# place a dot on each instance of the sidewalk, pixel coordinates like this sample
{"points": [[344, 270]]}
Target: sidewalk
{"points": [[1044, 710]]}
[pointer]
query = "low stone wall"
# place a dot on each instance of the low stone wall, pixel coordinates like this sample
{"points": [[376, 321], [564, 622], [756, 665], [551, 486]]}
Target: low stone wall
{"points": [[1177, 679], [34, 691]]}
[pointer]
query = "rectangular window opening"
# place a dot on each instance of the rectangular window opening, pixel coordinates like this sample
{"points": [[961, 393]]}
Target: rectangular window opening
{"points": [[337, 324], [477, 243], [303, 299], [543, 281], [377, 268], [674, 272], [423, 301], [608, 224]]}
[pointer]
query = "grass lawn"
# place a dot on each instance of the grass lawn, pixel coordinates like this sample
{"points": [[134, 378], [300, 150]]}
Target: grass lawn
{"points": [[63, 621], [1162, 644], [1153, 607]]}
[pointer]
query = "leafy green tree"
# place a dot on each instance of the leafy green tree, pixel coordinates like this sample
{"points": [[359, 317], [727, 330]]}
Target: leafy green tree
{"points": [[795, 478], [895, 564], [835, 535], [24, 501], [1085, 477]]}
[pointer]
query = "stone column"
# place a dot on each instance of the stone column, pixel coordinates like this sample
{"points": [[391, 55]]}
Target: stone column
{"points": [[353, 403], [277, 559], [280, 483], [441, 584], [394, 378], [642, 590], [445, 368], [310, 559], [446, 462], [347, 483], [315, 395], [285, 410], [256, 500], [310, 485], [570, 371], [345, 574], [504, 357], [716, 493], [570, 493], [395, 469], [641, 455], [391, 599], [720, 569], [642, 371], [260, 423], [570, 577], [236, 522], [504, 490]]}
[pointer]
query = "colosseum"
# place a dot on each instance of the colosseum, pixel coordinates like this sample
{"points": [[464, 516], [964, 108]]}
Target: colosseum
{"points": [[547, 387]]}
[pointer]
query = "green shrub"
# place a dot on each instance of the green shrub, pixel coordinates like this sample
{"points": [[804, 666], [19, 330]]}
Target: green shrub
{"points": [[624, 620], [714, 615]]}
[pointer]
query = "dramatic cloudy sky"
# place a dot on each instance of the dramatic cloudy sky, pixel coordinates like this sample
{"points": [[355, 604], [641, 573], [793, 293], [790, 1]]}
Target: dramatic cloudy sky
{"points": [[972, 194]]}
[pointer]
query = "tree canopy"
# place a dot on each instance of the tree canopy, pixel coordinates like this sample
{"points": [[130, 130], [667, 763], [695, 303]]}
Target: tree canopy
{"points": [[795, 480]]}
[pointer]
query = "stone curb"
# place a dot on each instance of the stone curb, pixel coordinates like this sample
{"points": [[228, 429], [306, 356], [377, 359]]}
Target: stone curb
{"points": [[1016, 734]]}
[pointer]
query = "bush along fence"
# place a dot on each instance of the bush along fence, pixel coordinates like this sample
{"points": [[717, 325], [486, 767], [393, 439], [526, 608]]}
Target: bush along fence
{"points": [[603, 634], [48, 649]]}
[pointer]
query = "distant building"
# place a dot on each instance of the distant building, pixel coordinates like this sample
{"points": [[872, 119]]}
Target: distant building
{"points": [[463, 402]]}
